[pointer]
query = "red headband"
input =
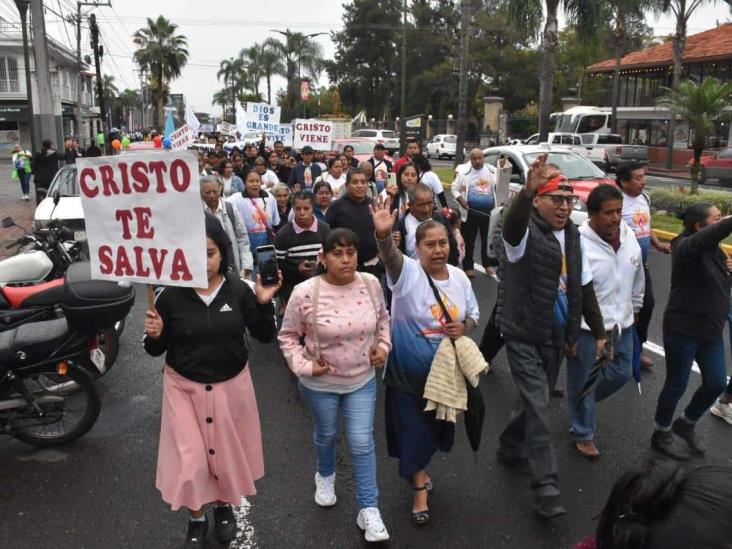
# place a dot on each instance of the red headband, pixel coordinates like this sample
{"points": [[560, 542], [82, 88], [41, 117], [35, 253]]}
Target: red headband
{"points": [[553, 184]]}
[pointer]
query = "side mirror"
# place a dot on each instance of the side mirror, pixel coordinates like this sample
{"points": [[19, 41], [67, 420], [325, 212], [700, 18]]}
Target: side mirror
{"points": [[8, 222]]}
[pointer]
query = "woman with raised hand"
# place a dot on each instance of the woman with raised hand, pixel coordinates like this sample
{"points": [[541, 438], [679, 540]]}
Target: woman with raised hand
{"points": [[210, 449], [334, 334], [419, 324]]}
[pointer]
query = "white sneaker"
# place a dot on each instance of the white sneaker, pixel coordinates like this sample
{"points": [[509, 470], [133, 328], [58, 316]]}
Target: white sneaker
{"points": [[369, 520], [723, 410], [325, 490], [26, 197]]}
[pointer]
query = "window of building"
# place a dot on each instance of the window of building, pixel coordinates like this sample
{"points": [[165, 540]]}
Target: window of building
{"points": [[9, 75]]}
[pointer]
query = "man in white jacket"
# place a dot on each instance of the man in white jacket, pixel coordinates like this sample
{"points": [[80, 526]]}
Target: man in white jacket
{"points": [[615, 258]]}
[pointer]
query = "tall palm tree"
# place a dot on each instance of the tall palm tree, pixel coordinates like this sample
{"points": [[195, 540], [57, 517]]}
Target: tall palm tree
{"points": [[700, 105], [271, 65], [163, 53], [230, 70], [682, 11], [251, 57], [620, 13], [109, 89], [128, 100], [528, 14], [301, 56], [223, 99]]}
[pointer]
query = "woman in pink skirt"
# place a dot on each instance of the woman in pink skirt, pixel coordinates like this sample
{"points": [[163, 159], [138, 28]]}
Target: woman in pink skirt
{"points": [[210, 442]]}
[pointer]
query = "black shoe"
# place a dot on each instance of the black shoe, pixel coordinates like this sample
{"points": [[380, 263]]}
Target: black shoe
{"points": [[520, 465], [196, 537], [666, 443], [687, 432], [224, 523], [549, 507]]}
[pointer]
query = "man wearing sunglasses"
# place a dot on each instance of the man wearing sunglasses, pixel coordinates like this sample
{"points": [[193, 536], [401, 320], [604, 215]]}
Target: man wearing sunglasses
{"points": [[545, 290]]}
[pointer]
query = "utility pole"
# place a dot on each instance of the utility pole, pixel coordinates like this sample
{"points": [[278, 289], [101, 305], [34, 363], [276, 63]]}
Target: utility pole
{"points": [[22, 6], [94, 29], [47, 123], [403, 91], [463, 86], [80, 78]]}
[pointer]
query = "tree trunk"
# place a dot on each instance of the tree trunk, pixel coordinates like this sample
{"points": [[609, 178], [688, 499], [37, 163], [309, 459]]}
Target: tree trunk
{"points": [[619, 40], [269, 89], [546, 84], [679, 43], [698, 147]]}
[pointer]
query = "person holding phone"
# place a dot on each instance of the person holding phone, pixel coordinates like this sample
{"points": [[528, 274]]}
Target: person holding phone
{"points": [[299, 242], [341, 318], [210, 449]]}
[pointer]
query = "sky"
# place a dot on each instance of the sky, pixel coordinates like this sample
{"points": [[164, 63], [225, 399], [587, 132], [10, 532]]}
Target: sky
{"points": [[219, 29]]}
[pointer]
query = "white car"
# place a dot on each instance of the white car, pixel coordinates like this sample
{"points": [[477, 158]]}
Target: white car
{"points": [[443, 145], [68, 209], [388, 138]]}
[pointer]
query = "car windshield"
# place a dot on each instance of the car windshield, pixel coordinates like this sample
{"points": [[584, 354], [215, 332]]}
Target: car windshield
{"points": [[388, 134], [360, 147], [450, 139], [573, 166], [64, 183]]}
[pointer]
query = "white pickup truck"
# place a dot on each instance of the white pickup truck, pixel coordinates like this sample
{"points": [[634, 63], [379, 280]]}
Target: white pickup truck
{"points": [[617, 151], [573, 141]]}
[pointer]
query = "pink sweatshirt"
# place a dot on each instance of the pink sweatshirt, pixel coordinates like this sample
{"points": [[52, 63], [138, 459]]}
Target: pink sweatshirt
{"points": [[346, 324]]}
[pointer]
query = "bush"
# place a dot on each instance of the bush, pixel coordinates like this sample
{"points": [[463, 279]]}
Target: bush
{"points": [[676, 201]]}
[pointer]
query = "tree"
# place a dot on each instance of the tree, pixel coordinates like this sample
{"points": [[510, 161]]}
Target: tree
{"points": [[163, 53], [222, 98], [109, 89], [301, 56], [682, 11], [251, 58], [127, 101], [528, 14], [230, 70], [271, 65], [700, 105]]}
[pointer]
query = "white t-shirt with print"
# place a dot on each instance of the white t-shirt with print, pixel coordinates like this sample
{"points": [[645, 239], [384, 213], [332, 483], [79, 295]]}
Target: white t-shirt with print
{"points": [[410, 245], [432, 180]]}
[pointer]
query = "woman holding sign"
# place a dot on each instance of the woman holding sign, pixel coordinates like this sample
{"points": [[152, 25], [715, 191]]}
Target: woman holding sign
{"points": [[258, 209], [210, 442]]}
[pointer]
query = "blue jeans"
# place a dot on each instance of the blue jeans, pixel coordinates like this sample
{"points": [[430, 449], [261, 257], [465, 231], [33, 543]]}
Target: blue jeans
{"points": [[24, 182], [358, 414], [612, 377], [680, 352], [729, 320]]}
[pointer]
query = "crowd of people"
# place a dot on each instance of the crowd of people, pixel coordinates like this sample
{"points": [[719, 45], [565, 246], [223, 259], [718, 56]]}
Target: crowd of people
{"points": [[375, 273]]}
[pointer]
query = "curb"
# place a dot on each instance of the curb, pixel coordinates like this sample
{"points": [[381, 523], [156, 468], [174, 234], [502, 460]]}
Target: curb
{"points": [[668, 174], [666, 235]]}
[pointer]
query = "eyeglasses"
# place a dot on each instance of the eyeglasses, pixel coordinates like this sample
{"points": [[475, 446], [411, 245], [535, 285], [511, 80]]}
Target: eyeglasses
{"points": [[557, 199]]}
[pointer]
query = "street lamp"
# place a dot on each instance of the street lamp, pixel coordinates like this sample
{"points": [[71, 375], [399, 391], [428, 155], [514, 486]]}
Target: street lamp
{"points": [[22, 6]]}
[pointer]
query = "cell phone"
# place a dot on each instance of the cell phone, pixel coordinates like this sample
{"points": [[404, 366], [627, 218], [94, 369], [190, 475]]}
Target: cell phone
{"points": [[391, 182], [267, 265]]}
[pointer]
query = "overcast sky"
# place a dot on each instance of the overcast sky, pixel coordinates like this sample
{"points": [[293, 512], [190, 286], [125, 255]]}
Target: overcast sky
{"points": [[219, 29]]}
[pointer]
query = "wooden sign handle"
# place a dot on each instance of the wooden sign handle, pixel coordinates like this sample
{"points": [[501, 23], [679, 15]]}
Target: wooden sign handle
{"points": [[150, 298]]}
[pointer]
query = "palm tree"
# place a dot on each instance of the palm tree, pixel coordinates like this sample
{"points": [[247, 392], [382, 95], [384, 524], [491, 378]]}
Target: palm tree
{"points": [[223, 99], [109, 89], [271, 66], [230, 71], [128, 101], [621, 12], [301, 55], [163, 53], [700, 105], [682, 11], [528, 14], [252, 58]]}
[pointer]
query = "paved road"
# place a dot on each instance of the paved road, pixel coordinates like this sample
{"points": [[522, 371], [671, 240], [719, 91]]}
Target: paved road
{"points": [[99, 492]]}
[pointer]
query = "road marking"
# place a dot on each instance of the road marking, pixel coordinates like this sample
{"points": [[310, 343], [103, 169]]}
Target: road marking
{"points": [[657, 349], [245, 538]]}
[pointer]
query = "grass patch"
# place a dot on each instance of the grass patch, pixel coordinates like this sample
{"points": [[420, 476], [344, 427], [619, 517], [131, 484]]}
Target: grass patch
{"points": [[672, 224], [446, 174]]}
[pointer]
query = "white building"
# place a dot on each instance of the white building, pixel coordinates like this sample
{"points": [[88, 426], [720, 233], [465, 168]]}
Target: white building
{"points": [[64, 72]]}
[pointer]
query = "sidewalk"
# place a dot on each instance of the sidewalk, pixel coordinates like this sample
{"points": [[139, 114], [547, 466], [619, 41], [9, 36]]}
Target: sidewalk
{"points": [[11, 205]]}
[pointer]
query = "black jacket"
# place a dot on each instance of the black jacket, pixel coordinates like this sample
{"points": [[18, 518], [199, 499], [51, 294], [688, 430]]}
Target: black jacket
{"points": [[699, 299], [454, 257], [206, 344], [44, 166], [348, 214]]}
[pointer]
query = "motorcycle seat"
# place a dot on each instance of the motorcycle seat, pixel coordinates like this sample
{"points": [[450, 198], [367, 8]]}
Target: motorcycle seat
{"points": [[32, 342], [38, 295]]}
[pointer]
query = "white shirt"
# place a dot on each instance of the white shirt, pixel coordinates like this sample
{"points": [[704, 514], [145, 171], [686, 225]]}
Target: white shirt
{"points": [[431, 179], [336, 183], [259, 214], [410, 224], [269, 179]]}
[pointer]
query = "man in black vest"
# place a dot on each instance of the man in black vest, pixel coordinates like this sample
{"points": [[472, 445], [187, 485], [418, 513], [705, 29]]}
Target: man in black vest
{"points": [[544, 292]]}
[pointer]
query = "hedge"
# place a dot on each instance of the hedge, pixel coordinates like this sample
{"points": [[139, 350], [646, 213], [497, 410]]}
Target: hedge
{"points": [[676, 201]]}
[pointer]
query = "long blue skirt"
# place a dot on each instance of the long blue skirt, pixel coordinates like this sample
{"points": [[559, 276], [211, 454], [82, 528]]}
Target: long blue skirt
{"points": [[412, 435]]}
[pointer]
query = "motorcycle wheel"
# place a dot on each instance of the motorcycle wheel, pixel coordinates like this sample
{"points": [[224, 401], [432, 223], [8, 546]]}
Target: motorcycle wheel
{"points": [[70, 403]]}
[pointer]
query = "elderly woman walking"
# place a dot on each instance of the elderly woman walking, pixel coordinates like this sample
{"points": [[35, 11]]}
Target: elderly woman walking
{"points": [[419, 326], [341, 319]]}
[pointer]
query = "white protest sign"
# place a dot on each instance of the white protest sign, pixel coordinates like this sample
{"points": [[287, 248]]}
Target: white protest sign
{"points": [[283, 133], [316, 133], [144, 218], [261, 117], [226, 128], [181, 138]]}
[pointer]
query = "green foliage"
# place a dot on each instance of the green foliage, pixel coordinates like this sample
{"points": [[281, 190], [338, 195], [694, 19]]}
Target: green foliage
{"points": [[676, 201]]}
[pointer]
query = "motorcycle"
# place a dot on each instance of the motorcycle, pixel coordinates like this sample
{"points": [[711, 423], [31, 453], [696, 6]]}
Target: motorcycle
{"points": [[47, 398]]}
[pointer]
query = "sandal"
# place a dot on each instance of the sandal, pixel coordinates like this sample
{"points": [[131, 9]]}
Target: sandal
{"points": [[429, 487], [420, 518]]}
